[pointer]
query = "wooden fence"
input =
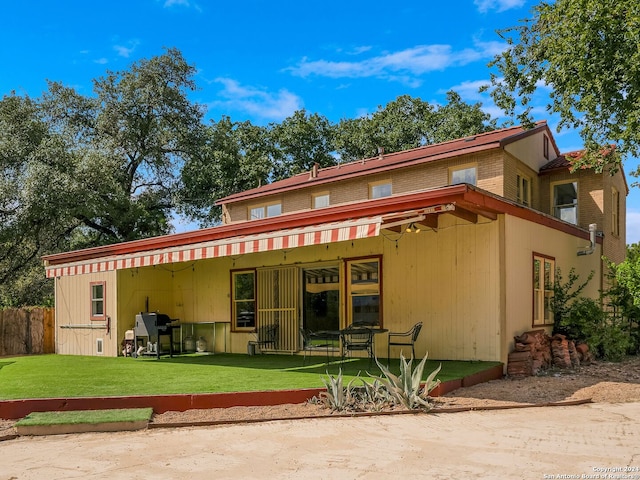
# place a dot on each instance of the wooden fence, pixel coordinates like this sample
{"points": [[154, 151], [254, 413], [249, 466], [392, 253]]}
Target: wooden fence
{"points": [[27, 331]]}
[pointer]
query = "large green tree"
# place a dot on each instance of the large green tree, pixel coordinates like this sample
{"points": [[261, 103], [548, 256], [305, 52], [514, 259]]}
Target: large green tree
{"points": [[586, 52], [409, 122], [81, 171], [236, 156]]}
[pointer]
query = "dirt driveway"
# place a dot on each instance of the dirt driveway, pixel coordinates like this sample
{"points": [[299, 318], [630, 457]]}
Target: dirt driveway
{"points": [[524, 443]]}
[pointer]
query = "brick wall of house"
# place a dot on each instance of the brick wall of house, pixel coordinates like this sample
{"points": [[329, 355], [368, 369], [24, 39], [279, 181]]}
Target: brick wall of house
{"points": [[594, 205], [430, 175]]}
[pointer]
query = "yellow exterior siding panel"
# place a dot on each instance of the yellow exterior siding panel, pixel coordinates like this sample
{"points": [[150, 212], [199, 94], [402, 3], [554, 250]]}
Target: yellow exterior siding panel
{"points": [[522, 240], [76, 333]]}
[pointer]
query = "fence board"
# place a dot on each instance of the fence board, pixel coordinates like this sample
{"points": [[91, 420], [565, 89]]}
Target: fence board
{"points": [[23, 331]]}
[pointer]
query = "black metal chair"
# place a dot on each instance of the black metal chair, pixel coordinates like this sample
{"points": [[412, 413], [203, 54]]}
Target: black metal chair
{"points": [[404, 339], [267, 336], [310, 343], [357, 339]]}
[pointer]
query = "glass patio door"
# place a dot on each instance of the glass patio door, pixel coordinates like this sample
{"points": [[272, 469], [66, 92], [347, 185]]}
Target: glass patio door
{"points": [[321, 298]]}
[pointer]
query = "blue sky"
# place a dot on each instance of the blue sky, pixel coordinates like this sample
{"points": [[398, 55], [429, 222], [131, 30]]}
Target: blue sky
{"points": [[261, 61]]}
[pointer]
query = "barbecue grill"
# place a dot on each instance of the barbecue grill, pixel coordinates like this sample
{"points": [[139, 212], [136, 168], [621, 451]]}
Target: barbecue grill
{"points": [[153, 326]]}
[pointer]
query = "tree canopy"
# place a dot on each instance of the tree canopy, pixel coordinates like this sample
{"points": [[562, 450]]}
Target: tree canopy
{"points": [[586, 52]]}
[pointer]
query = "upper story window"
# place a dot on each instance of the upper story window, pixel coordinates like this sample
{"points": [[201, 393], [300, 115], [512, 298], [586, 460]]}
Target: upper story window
{"points": [[523, 190], [565, 201], [267, 210], [320, 200], [97, 301], [380, 189], [545, 146], [615, 211], [463, 174]]}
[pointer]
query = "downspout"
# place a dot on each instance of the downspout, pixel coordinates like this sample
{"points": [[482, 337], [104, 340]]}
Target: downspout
{"points": [[592, 239]]}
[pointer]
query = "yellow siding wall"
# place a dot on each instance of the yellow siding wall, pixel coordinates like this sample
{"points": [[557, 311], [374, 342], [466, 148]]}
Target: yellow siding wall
{"points": [[76, 333], [450, 280], [523, 239]]}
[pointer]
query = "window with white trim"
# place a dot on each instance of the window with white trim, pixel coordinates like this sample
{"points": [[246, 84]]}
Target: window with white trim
{"points": [[320, 200], [543, 280], [380, 189], [266, 210], [565, 201], [98, 300], [463, 174]]}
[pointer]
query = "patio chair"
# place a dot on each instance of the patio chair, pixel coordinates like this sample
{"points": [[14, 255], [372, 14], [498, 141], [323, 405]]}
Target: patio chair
{"points": [[267, 336], [312, 344], [404, 339], [357, 339]]}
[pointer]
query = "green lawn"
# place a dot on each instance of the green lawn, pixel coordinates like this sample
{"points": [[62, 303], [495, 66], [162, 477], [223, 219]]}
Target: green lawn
{"points": [[86, 416], [51, 376]]}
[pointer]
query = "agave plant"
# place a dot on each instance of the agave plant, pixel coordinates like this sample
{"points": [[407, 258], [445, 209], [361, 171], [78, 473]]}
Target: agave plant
{"points": [[337, 397], [406, 388]]}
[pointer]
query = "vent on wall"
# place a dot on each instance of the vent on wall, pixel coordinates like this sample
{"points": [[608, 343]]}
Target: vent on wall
{"points": [[99, 346]]}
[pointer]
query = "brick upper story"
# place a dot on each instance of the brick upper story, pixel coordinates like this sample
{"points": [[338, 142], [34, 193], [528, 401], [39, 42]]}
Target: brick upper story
{"points": [[523, 166]]}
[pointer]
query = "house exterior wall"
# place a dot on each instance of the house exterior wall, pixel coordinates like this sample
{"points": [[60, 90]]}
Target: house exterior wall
{"points": [[76, 333], [522, 240], [447, 279], [430, 175], [450, 280], [594, 204]]}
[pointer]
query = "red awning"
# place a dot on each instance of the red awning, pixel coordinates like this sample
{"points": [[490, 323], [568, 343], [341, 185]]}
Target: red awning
{"points": [[239, 245]]}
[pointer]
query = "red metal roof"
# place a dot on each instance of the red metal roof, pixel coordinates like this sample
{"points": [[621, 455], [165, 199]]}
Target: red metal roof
{"points": [[245, 237], [406, 158]]}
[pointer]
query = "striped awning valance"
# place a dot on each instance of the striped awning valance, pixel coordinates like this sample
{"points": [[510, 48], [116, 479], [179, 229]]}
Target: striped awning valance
{"points": [[239, 245]]}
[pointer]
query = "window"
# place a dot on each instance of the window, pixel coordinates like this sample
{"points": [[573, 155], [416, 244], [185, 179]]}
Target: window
{"points": [[263, 211], [380, 189], [565, 202], [523, 190], [545, 146], [320, 200], [97, 301], [364, 291], [463, 174], [543, 279], [243, 300], [615, 211]]}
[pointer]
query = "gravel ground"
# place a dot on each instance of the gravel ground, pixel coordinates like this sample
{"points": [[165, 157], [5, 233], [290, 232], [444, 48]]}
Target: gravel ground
{"points": [[599, 382]]}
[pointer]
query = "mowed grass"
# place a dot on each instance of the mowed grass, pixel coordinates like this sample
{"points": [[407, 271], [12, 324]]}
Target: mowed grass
{"points": [[86, 416], [60, 376]]}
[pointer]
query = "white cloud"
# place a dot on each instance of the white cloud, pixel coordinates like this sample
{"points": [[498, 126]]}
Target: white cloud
{"points": [[101, 61], [126, 51], [401, 66], [181, 3], [498, 5], [256, 101]]}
